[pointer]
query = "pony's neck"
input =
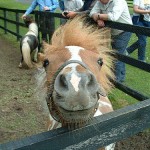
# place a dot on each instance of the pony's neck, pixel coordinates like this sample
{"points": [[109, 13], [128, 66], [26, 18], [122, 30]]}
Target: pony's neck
{"points": [[33, 29]]}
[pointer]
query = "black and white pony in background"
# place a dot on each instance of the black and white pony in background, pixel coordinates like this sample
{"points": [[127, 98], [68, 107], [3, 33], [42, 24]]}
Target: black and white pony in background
{"points": [[29, 43]]}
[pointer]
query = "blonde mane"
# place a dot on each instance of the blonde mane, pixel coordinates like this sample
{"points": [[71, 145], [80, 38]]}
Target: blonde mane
{"points": [[78, 33]]}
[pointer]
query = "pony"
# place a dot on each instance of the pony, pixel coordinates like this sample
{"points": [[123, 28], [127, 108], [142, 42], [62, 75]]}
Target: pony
{"points": [[29, 43], [78, 66]]}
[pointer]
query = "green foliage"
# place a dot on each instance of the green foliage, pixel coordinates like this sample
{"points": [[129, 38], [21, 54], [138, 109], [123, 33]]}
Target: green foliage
{"points": [[13, 4]]}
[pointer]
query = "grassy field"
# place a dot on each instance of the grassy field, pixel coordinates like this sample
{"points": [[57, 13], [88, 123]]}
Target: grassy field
{"points": [[13, 4], [135, 78]]}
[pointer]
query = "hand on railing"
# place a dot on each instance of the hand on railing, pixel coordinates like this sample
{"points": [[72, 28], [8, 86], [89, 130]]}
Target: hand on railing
{"points": [[69, 14], [46, 8], [65, 13], [23, 16]]}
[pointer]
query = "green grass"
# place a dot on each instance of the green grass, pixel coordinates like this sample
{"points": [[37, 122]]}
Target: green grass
{"points": [[13, 4], [135, 78]]}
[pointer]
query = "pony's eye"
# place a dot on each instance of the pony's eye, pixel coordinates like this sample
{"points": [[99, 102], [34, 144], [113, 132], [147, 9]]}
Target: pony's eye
{"points": [[100, 61], [45, 63]]}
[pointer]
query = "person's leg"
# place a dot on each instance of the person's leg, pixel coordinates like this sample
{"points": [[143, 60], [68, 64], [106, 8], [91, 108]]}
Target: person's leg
{"points": [[120, 43], [43, 27], [143, 42], [135, 45], [51, 27], [44, 34], [142, 47]]}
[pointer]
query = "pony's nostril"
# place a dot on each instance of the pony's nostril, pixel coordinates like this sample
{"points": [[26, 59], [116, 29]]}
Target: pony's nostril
{"points": [[63, 80], [92, 85]]}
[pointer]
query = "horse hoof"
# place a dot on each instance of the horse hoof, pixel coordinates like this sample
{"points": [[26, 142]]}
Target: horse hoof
{"points": [[20, 66]]}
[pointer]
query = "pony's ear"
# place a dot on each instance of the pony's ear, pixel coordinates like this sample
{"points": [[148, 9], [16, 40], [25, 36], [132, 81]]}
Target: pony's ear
{"points": [[41, 56]]}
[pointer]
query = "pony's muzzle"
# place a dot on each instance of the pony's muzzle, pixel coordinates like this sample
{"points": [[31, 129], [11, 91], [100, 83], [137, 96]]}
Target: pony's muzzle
{"points": [[74, 92]]}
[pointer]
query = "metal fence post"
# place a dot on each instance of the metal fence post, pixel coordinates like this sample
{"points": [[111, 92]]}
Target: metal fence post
{"points": [[17, 25], [36, 13], [5, 23]]}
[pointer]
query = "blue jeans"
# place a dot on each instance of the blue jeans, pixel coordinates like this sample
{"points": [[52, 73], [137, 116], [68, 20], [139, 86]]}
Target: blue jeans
{"points": [[140, 44], [120, 43], [49, 24]]}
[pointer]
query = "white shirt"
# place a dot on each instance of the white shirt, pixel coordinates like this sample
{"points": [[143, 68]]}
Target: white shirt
{"points": [[72, 5], [142, 4], [117, 11]]}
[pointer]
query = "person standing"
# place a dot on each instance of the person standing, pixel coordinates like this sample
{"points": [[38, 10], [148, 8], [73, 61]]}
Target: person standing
{"points": [[117, 11], [85, 9], [141, 17], [44, 5]]}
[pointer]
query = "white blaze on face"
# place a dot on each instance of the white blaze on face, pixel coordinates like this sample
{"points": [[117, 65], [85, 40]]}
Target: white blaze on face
{"points": [[75, 79], [74, 50]]}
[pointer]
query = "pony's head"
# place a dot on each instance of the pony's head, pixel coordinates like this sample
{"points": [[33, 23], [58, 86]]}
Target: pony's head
{"points": [[31, 24], [78, 66], [28, 20]]}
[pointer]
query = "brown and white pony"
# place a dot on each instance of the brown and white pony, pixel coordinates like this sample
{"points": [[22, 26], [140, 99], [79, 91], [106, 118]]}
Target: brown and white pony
{"points": [[29, 43], [78, 66]]}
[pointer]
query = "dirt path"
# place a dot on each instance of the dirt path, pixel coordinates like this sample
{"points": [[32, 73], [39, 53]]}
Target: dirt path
{"points": [[21, 113]]}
